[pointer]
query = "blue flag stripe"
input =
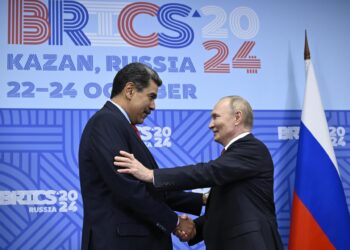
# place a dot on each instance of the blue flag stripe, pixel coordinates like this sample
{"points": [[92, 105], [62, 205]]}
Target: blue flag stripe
{"points": [[319, 187]]}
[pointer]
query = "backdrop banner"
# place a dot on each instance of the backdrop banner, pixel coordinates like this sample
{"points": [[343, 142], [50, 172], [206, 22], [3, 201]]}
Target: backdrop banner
{"points": [[58, 61]]}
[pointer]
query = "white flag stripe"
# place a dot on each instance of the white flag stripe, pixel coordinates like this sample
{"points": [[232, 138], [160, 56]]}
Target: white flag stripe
{"points": [[313, 115]]}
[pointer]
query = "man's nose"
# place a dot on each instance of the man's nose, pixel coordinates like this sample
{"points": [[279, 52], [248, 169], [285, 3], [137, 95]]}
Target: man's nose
{"points": [[211, 124], [152, 106]]}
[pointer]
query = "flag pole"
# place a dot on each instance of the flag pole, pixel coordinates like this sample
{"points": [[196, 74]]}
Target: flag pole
{"points": [[307, 55]]}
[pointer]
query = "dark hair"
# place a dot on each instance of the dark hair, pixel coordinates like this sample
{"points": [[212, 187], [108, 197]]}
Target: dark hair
{"points": [[138, 73]]}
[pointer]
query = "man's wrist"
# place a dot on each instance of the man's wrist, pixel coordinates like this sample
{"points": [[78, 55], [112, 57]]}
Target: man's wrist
{"points": [[150, 177]]}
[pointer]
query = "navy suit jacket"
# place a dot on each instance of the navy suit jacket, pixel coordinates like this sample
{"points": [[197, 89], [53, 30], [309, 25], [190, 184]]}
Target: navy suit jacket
{"points": [[240, 212], [121, 212]]}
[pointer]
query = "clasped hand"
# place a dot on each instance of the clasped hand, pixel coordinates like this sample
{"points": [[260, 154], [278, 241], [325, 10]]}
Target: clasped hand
{"points": [[186, 228]]}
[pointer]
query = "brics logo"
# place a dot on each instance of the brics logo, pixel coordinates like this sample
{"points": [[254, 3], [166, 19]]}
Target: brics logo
{"points": [[33, 22]]}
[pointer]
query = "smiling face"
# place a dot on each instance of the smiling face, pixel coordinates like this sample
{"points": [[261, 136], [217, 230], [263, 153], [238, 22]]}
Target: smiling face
{"points": [[141, 103], [222, 122]]}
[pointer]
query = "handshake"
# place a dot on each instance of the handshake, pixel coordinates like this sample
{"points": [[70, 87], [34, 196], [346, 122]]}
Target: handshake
{"points": [[186, 229]]}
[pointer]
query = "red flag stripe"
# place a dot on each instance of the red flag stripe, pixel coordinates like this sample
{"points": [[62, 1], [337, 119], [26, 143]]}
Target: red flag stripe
{"points": [[305, 233]]}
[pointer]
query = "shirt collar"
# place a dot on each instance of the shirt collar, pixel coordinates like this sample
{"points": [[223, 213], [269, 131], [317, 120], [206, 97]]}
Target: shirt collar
{"points": [[236, 138], [121, 110]]}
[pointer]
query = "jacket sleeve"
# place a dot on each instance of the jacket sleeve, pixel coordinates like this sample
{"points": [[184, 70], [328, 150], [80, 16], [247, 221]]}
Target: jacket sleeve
{"points": [[186, 202], [236, 164], [107, 139]]}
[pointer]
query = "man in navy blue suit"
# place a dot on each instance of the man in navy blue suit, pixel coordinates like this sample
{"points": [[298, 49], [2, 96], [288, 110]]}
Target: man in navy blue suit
{"points": [[240, 212], [121, 212]]}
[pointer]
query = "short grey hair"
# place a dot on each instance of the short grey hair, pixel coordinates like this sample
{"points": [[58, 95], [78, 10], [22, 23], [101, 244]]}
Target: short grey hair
{"points": [[238, 103]]}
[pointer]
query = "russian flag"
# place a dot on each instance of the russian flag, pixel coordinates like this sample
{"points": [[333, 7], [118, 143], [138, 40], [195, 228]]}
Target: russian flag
{"points": [[320, 216]]}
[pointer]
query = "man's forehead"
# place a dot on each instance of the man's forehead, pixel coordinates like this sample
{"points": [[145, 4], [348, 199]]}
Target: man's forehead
{"points": [[219, 106], [217, 110]]}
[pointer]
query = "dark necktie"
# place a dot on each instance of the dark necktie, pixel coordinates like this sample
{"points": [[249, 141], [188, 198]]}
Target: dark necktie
{"points": [[136, 130]]}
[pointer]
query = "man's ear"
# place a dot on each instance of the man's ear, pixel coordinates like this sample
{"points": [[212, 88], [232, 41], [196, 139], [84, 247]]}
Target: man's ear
{"points": [[238, 117], [129, 90]]}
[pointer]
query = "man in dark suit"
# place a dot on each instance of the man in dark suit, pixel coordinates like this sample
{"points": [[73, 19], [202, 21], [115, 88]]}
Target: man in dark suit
{"points": [[120, 212], [240, 212]]}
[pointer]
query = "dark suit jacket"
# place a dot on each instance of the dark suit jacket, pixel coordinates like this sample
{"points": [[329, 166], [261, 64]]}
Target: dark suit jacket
{"points": [[240, 213], [121, 212]]}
